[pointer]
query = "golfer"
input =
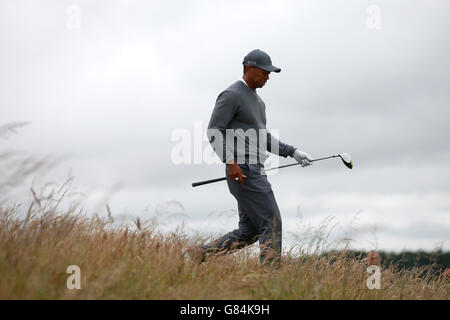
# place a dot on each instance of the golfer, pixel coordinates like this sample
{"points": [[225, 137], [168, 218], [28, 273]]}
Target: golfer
{"points": [[241, 109]]}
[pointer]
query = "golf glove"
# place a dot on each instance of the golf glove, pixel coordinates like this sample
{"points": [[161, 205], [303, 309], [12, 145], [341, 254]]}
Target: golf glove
{"points": [[302, 157]]}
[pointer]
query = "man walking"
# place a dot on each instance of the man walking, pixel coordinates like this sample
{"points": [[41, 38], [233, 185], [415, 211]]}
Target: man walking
{"points": [[240, 110]]}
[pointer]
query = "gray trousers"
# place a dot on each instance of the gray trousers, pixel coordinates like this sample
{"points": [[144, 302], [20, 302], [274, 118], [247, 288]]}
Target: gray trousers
{"points": [[259, 217]]}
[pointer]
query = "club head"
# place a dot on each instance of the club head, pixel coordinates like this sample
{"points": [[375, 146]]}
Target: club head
{"points": [[347, 159]]}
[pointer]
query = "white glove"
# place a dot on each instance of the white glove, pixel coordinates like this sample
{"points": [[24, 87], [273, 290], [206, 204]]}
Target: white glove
{"points": [[303, 158]]}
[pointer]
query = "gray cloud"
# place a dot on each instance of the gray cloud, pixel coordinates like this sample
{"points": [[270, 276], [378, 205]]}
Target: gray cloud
{"points": [[111, 93]]}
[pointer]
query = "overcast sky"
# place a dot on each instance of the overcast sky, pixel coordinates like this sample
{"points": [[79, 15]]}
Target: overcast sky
{"points": [[106, 83]]}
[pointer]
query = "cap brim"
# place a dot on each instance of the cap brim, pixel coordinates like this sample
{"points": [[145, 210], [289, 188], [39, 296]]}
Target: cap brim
{"points": [[271, 68]]}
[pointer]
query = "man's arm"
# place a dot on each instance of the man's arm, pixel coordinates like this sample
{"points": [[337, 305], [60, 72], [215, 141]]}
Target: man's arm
{"points": [[275, 146], [224, 111], [285, 150]]}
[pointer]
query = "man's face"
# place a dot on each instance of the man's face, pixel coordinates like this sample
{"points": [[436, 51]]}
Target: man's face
{"points": [[258, 76]]}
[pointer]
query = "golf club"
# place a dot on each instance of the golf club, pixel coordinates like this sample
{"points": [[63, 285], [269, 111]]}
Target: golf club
{"points": [[345, 157]]}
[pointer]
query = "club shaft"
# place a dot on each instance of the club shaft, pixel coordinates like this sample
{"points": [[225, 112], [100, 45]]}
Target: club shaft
{"points": [[294, 164], [195, 184]]}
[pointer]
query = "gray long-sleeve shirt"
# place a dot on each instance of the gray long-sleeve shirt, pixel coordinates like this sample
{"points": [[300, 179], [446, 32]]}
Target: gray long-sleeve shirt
{"points": [[240, 109]]}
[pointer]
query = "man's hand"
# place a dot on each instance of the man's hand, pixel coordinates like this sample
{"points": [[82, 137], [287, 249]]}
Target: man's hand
{"points": [[303, 158], [235, 172]]}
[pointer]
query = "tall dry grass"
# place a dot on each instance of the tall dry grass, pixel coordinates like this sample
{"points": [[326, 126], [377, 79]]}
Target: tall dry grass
{"points": [[139, 262], [119, 261]]}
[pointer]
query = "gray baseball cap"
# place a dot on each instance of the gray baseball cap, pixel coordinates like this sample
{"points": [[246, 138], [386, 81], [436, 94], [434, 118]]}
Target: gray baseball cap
{"points": [[260, 59]]}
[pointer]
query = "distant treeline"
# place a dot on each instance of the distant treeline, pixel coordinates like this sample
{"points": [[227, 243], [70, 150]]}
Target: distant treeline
{"points": [[438, 259]]}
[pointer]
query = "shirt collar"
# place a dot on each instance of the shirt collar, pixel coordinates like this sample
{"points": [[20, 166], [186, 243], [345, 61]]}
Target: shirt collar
{"points": [[244, 82]]}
